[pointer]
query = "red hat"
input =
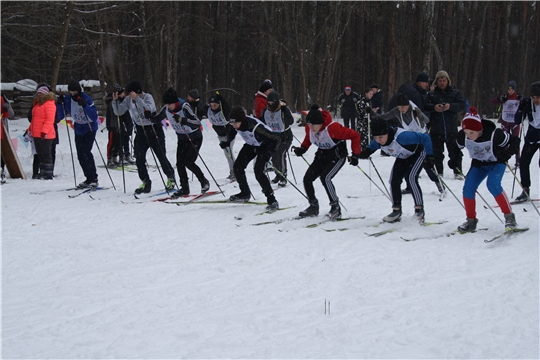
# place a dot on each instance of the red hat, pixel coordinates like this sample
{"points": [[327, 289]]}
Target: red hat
{"points": [[471, 120]]}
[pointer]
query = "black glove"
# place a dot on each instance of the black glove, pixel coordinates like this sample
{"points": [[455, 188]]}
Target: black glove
{"points": [[148, 114], [299, 151], [81, 101], [365, 154], [520, 97], [453, 163], [353, 160], [417, 112], [503, 98], [60, 99], [429, 162], [504, 156], [368, 109], [224, 144], [175, 116]]}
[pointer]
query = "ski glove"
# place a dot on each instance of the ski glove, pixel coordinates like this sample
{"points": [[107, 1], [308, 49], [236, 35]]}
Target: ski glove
{"points": [[453, 163], [299, 151], [224, 144], [60, 99], [148, 114], [353, 160], [81, 101], [429, 162], [502, 98], [176, 117], [504, 156], [364, 155]]}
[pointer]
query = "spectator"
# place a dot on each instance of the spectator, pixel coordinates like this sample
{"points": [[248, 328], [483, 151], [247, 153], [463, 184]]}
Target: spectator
{"points": [[347, 103], [260, 97], [377, 100]]}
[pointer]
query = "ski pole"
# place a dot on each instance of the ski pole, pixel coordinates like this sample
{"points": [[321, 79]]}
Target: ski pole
{"points": [[446, 186], [290, 164], [519, 182], [517, 162], [484, 200], [122, 155], [378, 187], [99, 150], [69, 140], [382, 181], [280, 173]]}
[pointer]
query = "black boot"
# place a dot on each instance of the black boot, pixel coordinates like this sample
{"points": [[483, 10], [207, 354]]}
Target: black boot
{"points": [[335, 211], [242, 196], [312, 210], [273, 205], [394, 216], [183, 191], [145, 187], [468, 226], [523, 197], [419, 215], [510, 221]]}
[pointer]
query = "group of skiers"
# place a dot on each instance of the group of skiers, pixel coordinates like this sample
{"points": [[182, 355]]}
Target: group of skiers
{"points": [[414, 131]]}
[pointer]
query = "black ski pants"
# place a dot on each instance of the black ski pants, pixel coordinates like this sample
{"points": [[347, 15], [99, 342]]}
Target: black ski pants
{"points": [[261, 156], [325, 169], [151, 137], [407, 168], [527, 154], [187, 152]]}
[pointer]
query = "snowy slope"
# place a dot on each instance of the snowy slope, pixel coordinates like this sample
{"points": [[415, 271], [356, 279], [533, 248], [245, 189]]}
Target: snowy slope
{"points": [[100, 277]]}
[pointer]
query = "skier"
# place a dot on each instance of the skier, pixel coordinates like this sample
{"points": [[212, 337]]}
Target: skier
{"points": [[408, 116], [218, 114], [330, 138], [142, 109], [530, 109], [490, 148], [510, 103], [120, 129], [260, 143], [184, 120], [85, 124], [278, 117], [411, 150]]}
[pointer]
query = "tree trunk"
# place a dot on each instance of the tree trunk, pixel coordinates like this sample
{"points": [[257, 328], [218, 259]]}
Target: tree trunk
{"points": [[61, 45]]}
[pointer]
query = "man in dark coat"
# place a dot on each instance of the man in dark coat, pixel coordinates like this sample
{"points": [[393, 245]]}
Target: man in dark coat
{"points": [[444, 103], [347, 103]]}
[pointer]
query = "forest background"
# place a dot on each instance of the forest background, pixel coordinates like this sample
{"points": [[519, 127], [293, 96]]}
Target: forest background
{"points": [[309, 49]]}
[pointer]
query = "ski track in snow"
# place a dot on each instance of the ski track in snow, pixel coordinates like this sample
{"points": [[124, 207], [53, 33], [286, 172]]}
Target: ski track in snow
{"points": [[97, 278]]}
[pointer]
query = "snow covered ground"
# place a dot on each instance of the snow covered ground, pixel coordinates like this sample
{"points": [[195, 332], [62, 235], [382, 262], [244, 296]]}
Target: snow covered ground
{"points": [[98, 276]]}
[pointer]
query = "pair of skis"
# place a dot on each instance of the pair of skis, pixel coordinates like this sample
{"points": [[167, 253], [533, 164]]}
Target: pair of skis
{"points": [[507, 232]]}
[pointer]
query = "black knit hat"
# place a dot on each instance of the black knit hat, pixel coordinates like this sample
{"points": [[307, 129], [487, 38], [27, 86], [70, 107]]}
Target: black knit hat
{"points": [[314, 116], [535, 88], [237, 114], [267, 84], [193, 93], [214, 99], [402, 100], [379, 127], [422, 77], [74, 85], [118, 88], [170, 96], [134, 86], [512, 85]]}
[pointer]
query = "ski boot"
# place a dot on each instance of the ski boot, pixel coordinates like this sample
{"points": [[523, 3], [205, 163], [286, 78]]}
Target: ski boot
{"points": [[335, 211], [440, 187], [282, 182], [523, 197], [110, 164], [312, 210], [205, 186], [510, 221], [88, 184], [394, 216], [240, 197], [171, 184], [183, 191], [145, 187], [468, 226], [276, 179], [273, 205], [419, 215]]}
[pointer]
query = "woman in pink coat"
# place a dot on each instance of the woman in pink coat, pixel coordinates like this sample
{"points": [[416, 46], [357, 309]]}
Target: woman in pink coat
{"points": [[42, 129]]}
